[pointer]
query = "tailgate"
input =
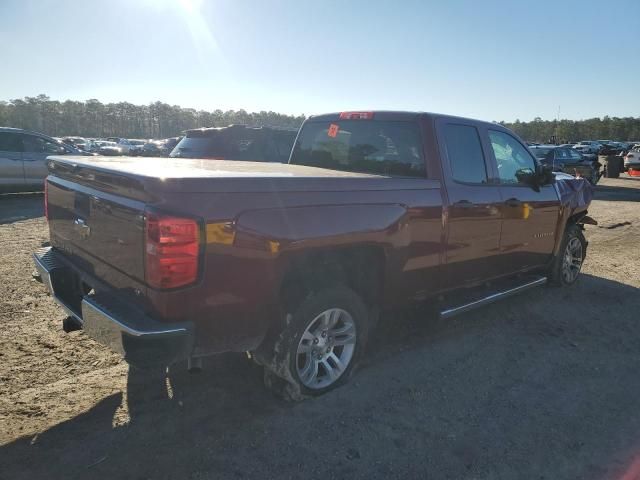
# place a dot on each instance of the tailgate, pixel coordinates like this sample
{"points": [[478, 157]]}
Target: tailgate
{"points": [[99, 230]]}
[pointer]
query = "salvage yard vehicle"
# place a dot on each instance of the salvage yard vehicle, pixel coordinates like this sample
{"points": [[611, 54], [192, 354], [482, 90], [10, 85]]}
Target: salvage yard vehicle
{"points": [[23, 157], [125, 144], [568, 160], [236, 142], [175, 260], [632, 159]]}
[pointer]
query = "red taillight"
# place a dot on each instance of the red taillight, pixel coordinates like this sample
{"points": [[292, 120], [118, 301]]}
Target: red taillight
{"points": [[46, 199], [356, 115], [172, 250]]}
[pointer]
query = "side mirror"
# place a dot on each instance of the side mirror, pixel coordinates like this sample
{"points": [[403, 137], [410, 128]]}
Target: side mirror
{"points": [[528, 177], [545, 175]]}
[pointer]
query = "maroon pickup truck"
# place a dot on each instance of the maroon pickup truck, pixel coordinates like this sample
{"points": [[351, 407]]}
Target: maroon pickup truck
{"points": [[173, 259]]}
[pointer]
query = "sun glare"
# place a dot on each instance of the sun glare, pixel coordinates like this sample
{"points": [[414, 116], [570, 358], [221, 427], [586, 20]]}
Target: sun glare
{"points": [[190, 5]]}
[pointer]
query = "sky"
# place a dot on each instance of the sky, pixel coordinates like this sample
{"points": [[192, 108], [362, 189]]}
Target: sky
{"points": [[492, 60]]}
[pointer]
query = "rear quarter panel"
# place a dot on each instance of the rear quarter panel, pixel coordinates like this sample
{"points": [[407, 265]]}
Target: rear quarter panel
{"points": [[237, 297]]}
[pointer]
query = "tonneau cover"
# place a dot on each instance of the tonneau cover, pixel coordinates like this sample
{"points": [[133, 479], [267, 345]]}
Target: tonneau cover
{"points": [[167, 168]]}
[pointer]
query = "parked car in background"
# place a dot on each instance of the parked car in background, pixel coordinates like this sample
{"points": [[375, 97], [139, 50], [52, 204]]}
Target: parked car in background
{"points": [[611, 148], [170, 143], [567, 160], [124, 143], [155, 148], [237, 142], [22, 158], [135, 147], [109, 149], [591, 144], [588, 150], [632, 158], [78, 142]]}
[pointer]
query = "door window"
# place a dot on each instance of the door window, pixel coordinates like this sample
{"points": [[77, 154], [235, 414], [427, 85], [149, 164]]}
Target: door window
{"points": [[33, 144], [10, 142], [465, 154], [511, 156]]}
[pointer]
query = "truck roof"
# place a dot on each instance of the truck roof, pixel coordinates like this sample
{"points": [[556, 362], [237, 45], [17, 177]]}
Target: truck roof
{"points": [[397, 115]]}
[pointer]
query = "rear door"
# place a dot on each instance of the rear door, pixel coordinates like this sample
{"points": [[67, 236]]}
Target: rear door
{"points": [[530, 218], [36, 151], [11, 170], [473, 213]]}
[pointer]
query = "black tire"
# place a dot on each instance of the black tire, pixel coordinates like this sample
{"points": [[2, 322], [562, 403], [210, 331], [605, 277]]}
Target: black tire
{"points": [[557, 275], [280, 355]]}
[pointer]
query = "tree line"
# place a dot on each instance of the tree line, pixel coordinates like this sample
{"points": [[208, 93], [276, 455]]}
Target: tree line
{"points": [[92, 118], [606, 128]]}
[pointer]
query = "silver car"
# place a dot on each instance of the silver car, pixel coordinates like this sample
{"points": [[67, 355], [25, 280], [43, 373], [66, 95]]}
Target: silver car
{"points": [[22, 158]]}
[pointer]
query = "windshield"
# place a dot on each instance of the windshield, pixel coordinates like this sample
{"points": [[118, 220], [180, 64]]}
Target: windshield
{"points": [[365, 146]]}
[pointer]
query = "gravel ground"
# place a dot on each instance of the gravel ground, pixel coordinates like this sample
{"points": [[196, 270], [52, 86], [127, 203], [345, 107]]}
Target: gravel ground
{"points": [[544, 385]]}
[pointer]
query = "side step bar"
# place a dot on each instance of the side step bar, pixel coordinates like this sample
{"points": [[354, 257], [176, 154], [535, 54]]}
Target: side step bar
{"points": [[494, 297]]}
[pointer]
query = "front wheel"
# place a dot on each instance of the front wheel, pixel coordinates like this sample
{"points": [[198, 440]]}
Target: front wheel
{"points": [[568, 263], [319, 345]]}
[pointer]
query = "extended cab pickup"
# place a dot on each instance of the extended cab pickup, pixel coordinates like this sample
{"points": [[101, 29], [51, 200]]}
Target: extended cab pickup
{"points": [[174, 259]]}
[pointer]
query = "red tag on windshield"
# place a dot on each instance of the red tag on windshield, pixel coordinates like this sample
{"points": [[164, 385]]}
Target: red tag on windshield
{"points": [[333, 130]]}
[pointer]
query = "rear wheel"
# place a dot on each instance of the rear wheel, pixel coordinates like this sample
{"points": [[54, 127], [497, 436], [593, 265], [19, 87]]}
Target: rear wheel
{"points": [[568, 263], [319, 345]]}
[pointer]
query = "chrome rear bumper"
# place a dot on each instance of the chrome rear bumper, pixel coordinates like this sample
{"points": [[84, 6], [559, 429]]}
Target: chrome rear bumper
{"points": [[111, 322]]}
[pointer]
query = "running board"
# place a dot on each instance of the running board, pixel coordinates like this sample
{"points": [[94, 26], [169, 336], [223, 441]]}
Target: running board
{"points": [[493, 297]]}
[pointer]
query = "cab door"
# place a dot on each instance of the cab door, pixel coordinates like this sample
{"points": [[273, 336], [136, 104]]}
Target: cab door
{"points": [[473, 213], [529, 217], [11, 170]]}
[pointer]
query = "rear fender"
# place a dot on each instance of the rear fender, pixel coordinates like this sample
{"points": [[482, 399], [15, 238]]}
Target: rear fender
{"points": [[285, 234], [280, 230]]}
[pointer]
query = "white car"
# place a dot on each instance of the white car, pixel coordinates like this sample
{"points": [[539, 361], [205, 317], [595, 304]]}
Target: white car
{"points": [[632, 159], [124, 143], [591, 144]]}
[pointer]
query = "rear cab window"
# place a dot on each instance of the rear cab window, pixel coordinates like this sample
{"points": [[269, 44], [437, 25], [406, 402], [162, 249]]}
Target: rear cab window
{"points": [[379, 147]]}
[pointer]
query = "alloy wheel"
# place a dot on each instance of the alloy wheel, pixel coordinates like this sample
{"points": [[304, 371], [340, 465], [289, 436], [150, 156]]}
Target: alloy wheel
{"points": [[326, 348], [572, 262]]}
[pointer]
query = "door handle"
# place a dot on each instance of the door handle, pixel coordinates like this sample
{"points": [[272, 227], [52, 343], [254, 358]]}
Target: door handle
{"points": [[513, 202], [463, 204]]}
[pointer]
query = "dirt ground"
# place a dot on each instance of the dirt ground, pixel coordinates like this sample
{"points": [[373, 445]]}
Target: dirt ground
{"points": [[545, 385]]}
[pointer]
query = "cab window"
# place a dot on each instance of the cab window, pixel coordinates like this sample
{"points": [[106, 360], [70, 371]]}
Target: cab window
{"points": [[10, 142], [465, 154], [391, 148], [511, 156]]}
